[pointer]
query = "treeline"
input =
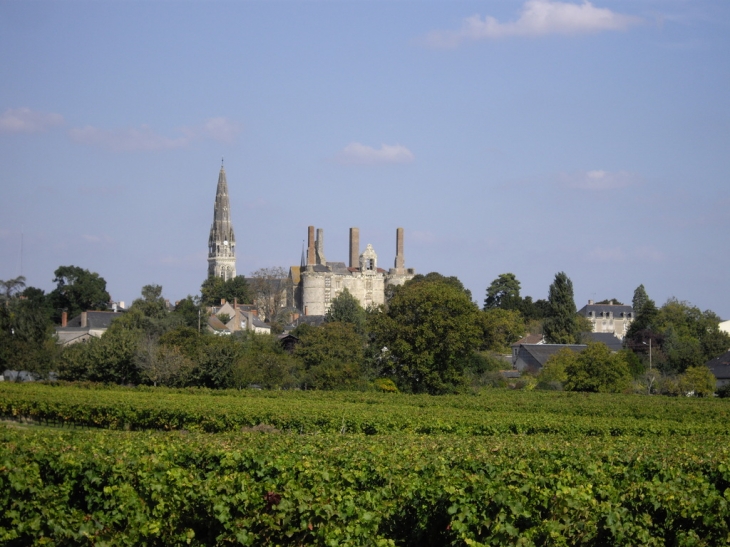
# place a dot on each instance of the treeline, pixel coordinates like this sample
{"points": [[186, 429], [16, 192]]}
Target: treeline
{"points": [[430, 337]]}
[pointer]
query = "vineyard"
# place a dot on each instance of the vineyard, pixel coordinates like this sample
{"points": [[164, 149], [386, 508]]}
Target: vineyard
{"points": [[125, 466]]}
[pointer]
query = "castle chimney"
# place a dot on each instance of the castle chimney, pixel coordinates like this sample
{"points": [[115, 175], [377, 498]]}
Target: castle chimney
{"points": [[84, 319], [319, 244], [310, 247], [354, 247], [64, 319], [399, 258]]}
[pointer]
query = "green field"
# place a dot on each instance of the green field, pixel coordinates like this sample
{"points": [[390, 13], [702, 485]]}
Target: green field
{"points": [[164, 467]]}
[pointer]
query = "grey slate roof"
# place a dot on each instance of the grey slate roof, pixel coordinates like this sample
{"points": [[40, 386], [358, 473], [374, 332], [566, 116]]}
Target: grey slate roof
{"points": [[608, 338], [613, 309], [534, 356], [338, 267], [95, 319], [720, 366]]}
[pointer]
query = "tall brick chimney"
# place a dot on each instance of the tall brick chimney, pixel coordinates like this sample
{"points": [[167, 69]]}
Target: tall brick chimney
{"points": [[64, 319], [400, 260], [319, 247], [311, 259], [354, 247], [84, 319]]}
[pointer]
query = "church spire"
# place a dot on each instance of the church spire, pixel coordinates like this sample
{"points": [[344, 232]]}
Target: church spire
{"points": [[222, 242]]}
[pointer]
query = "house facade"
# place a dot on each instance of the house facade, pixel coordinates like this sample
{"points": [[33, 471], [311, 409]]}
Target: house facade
{"points": [[609, 318]]}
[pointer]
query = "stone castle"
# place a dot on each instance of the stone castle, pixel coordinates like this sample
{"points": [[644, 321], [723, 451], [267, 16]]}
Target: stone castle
{"points": [[317, 282]]}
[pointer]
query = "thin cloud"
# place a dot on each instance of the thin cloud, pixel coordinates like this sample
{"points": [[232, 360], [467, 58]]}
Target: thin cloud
{"points": [[360, 154], [599, 180], [25, 120], [220, 129], [126, 140], [538, 18], [144, 138], [648, 254], [600, 254], [94, 238]]}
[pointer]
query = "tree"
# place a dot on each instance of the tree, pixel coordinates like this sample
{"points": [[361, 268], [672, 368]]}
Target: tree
{"points": [[11, 287], [270, 288], [640, 298], [162, 365], [534, 311], [427, 334], [152, 304], [501, 328], [560, 325], [345, 308], [504, 293], [78, 290], [189, 311], [338, 342], [597, 369], [215, 289], [109, 359], [611, 301], [698, 381], [26, 341], [553, 373], [435, 277]]}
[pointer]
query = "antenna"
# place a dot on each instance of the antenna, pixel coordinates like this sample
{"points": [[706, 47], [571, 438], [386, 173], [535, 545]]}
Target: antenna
{"points": [[21, 251]]}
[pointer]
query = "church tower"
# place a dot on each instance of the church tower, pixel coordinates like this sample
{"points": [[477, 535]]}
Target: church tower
{"points": [[222, 242]]}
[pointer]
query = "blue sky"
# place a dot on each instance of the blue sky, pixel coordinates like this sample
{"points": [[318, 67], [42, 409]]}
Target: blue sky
{"points": [[504, 136]]}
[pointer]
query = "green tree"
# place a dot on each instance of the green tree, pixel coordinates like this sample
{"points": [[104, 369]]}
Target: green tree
{"points": [[640, 298], [338, 342], [501, 328], [152, 304], [26, 341], [77, 290], [109, 359], [698, 381], [504, 293], [611, 301], [215, 289], [162, 365], [435, 277], [534, 311], [190, 312], [332, 355], [553, 374], [560, 325], [597, 369], [427, 335], [345, 308]]}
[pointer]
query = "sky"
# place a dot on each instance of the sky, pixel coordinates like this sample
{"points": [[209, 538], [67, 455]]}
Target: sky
{"points": [[522, 136]]}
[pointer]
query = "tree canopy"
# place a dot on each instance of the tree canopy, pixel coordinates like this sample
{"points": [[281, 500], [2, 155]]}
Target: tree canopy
{"points": [[345, 308], [597, 369], [426, 335], [78, 290], [504, 293], [214, 289], [560, 325]]}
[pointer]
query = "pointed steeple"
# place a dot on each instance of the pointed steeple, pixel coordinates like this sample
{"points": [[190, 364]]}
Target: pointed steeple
{"points": [[222, 242]]}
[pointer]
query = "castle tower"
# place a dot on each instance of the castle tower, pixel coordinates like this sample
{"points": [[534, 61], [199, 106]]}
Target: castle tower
{"points": [[222, 242]]}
